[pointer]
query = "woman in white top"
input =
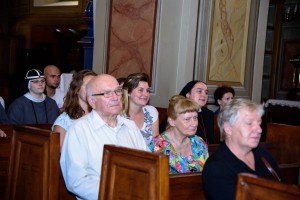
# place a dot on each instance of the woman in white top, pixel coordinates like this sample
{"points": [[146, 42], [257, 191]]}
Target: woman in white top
{"points": [[75, 103], [136, 95]]}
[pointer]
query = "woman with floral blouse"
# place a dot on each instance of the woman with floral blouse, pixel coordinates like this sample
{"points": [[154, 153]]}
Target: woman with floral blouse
{"points": [[187, 152]]}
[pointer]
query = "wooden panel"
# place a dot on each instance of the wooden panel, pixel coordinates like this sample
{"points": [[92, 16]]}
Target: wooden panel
{"points": [[288, 138], [6, 152], [186, 186], [250, 187], [36, 164], [133, 174]]}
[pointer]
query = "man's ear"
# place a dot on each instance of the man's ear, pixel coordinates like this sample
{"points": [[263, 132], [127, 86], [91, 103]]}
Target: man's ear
{"points": [[91, 100], [188, 95]]}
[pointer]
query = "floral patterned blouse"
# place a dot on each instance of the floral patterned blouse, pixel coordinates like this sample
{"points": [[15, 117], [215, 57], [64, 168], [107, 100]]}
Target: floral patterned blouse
{"points": [[150, 116], [177, 163]]}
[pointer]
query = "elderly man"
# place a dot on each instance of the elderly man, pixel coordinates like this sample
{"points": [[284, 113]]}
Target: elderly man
{"points": [[34, 107], [52, 76], [239, 121], [81, 156]]}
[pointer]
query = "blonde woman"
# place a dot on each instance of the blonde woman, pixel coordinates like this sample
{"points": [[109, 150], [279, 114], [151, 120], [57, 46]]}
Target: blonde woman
{"points": [[187, 152]]}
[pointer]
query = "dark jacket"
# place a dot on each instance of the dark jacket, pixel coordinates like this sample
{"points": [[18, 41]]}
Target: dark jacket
{"points": [[3, 117], [25, 111], [221, 170]]}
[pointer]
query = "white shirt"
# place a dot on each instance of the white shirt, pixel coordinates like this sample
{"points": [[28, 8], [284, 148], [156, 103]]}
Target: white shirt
{"points": [[59, 98], [82, 152]]}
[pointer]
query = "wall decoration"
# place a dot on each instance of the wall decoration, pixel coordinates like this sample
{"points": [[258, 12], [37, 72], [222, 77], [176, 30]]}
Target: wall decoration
{"points": [[131, 37], [228, 42]]}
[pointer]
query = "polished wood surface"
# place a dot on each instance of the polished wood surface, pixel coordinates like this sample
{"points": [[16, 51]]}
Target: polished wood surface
{"points": [[287, 138], [35, 164], [6, 154], [186, 186], [251, 187], [30, 157], [133, 174]]}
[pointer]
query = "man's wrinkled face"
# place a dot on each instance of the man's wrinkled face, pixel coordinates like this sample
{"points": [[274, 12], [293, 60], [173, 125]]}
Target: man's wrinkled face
{"points": [[109, 104]]}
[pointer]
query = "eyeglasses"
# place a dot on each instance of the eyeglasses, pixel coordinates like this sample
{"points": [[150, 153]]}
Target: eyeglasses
{"points": [[109, 94], [38, 81]]}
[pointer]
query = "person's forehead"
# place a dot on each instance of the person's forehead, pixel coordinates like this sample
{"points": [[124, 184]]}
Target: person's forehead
{"points": [[200, 85], [143, 84], [227, 94], [245, 113], [54, 71], [39, 79], [106, 83]]}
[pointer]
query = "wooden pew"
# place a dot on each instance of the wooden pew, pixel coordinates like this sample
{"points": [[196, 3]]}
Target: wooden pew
{"points": [[35, 164], [251, 187], [30, 162], [6, 154], [287, 139], [133, 174], [186, 186]]}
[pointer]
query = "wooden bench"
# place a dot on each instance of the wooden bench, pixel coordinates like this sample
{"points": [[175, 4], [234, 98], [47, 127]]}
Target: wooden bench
{"points": [[251, 187], [287, 139], [31, 158], [133, 174], [6, 154], [186, 186]]}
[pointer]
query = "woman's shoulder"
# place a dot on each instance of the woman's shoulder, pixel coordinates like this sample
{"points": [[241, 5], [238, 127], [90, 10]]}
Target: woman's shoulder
{"points": [[63, 118], [150, 108], [19, 102], [198, 140]]}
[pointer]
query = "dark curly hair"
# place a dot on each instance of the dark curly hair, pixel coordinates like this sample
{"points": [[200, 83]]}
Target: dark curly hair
{"points": [[220, 91]]}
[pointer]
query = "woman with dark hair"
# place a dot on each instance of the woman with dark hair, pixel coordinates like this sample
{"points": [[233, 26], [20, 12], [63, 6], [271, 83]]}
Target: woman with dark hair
{"points": [[75, 103], [136, 95], [222, 95], [198, 92]]}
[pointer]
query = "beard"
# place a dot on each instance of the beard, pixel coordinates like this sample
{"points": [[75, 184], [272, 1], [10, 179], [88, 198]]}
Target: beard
{"points": [[53, 86]]}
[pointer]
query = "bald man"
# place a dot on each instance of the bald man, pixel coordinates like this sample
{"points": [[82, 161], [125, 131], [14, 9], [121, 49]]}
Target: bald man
{"points": [[81, 156], [52, 76]]}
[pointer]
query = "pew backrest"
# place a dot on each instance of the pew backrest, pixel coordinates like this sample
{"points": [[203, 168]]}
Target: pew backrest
{"points": [[250, 187], [288, 139], [35, 168], [6, 161], [186, 186], [133, 174]]}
